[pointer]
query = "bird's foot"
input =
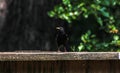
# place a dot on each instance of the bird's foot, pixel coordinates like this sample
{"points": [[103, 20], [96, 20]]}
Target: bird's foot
{"points": [[58, 51], [65, 50]]}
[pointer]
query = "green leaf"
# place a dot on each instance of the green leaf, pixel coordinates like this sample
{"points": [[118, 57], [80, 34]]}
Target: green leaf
{"points": [[66, 2], [71, 14], [89, 47], [51, 13], [81, 47], [74, 17], [99, 20], [84, 9], [103, 9], [106, 2], [116, 37], [76, 13], [61, 9], [98, 1], [80, 5], [83, 39], [104, 12], [85, 15]]}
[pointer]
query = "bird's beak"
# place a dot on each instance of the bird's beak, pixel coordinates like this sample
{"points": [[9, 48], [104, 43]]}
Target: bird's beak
{"points": [[57, 27]]}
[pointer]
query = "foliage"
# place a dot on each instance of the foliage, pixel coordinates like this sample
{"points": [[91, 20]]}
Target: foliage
{"points": [[96, 23]]}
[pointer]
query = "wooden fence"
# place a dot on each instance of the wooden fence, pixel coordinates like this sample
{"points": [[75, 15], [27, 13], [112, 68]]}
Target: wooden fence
{"points": [[44, 62]]}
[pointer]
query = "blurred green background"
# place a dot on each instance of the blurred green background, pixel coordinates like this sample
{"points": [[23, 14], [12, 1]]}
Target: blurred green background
{"points": [[93, 25]]}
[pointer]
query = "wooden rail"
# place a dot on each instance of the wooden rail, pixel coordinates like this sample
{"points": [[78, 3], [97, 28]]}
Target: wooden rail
{"points": [[51, 56], [59, 62]]}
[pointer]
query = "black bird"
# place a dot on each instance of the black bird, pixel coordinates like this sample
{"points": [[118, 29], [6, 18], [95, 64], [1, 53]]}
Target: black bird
{"points": [[61, 39]]}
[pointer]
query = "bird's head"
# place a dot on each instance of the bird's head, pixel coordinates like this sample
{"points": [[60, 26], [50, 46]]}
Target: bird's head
{"points": [[60, 29]]}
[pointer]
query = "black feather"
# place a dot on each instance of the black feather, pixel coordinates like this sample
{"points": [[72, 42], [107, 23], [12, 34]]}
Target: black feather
{"points": [[61, 39]]}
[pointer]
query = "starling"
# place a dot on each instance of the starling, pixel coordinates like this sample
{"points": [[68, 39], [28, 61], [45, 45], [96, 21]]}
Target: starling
{"points": [[61, 39]]}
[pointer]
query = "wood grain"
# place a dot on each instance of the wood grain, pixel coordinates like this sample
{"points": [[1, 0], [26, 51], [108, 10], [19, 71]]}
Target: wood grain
{"points": [[53, 56], [84, 66]]}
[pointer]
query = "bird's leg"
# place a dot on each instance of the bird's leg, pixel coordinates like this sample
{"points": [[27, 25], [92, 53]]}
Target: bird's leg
{"points": [[65, 49], [59, 49]]}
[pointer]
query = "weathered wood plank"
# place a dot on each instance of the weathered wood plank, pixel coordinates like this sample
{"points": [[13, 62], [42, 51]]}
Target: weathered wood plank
{"points": [[82, 66], [99, 66], [44, 56], [79, 66], [116, 66]]}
